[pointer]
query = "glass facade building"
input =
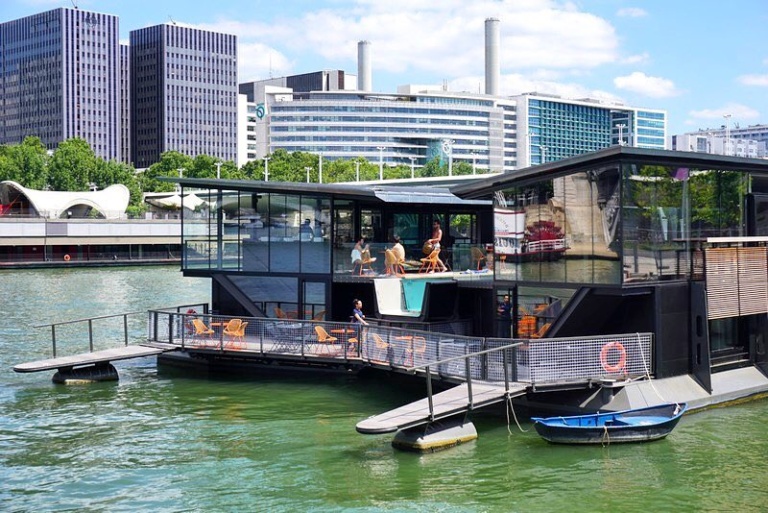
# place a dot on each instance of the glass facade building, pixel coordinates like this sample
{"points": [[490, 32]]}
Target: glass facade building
{"points": [[60, 78], [479, 130], [555, 128], [183, 93]]}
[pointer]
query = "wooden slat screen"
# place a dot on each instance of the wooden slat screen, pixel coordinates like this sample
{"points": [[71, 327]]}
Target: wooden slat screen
{"points": [[737, 281]]}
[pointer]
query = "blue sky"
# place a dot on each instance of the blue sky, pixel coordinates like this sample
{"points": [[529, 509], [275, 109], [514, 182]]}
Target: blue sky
{"points": [[699, 61]]}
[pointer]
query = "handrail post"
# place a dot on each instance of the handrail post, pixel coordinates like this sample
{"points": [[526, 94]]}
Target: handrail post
{"points": [[125, 328], [53, 338], [90, 334], [469, 382], [429, 395], [504, 362]]}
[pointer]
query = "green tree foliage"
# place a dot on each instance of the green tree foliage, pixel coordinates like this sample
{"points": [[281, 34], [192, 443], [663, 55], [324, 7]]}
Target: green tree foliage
{"points": [[434, 168], [171, 164], [25, 163], [72, 165]]}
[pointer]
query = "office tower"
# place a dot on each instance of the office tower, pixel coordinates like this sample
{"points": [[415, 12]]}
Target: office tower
{"points": [[59, 79], [183, 93]]}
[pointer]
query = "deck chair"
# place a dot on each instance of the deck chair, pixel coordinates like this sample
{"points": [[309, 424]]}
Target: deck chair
{"points": [[319, 316], [232, 328], [324, 338], [417, 347], [201, 329], [478, 256], [542, 331], [238, 337], [429, 263], [364, 264], [393, 265], [280, 314], [382, 348]]}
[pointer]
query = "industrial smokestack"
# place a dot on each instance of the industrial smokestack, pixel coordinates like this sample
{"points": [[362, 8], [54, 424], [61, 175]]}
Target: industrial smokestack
{"points": [[492, 67], [364, 66]]}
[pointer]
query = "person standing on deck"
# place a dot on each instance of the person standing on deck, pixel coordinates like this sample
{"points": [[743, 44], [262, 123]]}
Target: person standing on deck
{"points": [[505, 318], [357, 313], [437, 236]]}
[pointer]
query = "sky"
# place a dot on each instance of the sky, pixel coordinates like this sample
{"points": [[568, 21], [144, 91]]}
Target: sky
{"points": [[704, 63]]}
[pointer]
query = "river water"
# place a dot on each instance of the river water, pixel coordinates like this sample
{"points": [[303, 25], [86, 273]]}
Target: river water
{"points": [[170, 442]]}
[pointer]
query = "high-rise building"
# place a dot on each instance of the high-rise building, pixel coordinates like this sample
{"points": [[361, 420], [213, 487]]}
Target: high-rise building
{"points": [[750, 141], [553, 128], [183, 93], [60, 78]]}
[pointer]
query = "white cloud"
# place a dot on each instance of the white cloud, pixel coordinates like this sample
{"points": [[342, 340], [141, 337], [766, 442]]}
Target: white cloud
{"points": [[444, 39], [737, 111], [753, 80], [631, 12], [640, 83], [641, 58]]}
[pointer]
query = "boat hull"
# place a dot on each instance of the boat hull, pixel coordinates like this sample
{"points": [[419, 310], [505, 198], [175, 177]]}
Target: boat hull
{"points": [[628, 426]]}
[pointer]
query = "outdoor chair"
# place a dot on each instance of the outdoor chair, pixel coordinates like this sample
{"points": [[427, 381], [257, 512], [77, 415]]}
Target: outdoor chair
{"points": [[235, 330], [478, 257], [364, 264], [382, 348], [429, 264], [324, 339]]}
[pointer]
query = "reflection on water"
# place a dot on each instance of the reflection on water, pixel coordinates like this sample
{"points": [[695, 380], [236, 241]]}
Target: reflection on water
{"points": [[164, 441]]}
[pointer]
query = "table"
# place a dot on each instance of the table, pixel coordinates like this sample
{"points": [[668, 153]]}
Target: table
{"points": [[343, 334], [288, 336]]}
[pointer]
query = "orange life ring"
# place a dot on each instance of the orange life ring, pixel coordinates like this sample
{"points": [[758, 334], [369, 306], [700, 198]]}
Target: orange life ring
{"points": [[66, 258], [621, 365]]}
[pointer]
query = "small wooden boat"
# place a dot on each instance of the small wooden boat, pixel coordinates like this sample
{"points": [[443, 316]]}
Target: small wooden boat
{"points": [[637, 425]]}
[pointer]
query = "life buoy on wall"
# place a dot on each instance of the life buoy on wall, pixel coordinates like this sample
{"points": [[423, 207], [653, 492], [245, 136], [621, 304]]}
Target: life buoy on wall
{"points": [[621, 365], [66, 258]]}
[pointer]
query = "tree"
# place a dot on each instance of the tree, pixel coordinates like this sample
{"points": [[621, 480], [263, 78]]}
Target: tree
{"points": [[71, 166], [171, 164], [25, 163]]}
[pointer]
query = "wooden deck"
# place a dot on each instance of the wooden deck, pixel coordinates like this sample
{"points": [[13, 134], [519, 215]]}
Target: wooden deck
{"points": [[445, 404], [107, 355]]}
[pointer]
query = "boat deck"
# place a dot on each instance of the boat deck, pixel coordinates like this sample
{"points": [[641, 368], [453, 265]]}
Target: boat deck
{"points": [[105, 356], [445, 404]]}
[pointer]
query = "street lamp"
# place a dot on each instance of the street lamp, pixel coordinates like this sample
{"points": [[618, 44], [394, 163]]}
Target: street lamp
{"points": [[474, 159], [413, 173], [543, 154], [266, 168], [308, 169], [727, 134], [178, 185], [621, 127], [218, 170], [357, 170], [320, 169], [448, 149], [381, 162]]}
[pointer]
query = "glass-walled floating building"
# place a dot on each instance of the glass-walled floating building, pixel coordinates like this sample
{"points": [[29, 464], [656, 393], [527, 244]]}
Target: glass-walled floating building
{"points": [[633, 240], [624, 240]]}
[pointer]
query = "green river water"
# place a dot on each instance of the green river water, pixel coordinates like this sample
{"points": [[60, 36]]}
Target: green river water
{"points": [[170, 442]]}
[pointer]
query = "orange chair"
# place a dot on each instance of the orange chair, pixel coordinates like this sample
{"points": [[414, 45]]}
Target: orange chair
{"points": [[478, 256], [324, 338], [235, 329], [382, 348], [393, 265], [526, 327], [363, 265], [430, 263], [319, 316], [279, 313], [541, 331]]}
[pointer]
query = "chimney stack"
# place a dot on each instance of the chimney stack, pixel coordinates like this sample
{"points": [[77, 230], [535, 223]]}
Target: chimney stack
{"points": [[364, 66], [492, 67]]}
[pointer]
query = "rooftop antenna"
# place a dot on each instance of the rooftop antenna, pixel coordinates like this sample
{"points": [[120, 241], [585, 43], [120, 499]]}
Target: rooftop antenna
{"points": [[171, 20]]}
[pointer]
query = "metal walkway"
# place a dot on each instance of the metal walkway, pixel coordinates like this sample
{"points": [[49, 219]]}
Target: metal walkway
{"points": [[107, 355], [445, 404]]}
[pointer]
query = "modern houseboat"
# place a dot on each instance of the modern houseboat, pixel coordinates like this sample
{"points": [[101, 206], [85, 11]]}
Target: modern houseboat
{"points": [[659, 294]]}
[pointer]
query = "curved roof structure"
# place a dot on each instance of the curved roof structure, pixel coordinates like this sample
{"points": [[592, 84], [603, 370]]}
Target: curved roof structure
{"points": [[110, 202]]}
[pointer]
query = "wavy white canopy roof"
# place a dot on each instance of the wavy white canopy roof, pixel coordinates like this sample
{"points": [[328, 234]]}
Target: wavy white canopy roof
{"points": [[111, 202]]}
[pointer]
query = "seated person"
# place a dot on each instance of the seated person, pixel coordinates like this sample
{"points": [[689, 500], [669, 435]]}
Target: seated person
{"points": [[361, 254], [398, 249]]}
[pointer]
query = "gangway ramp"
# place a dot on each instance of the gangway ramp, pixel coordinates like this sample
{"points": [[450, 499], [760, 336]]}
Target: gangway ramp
{"points": [[444, 404], [107, 355]]}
